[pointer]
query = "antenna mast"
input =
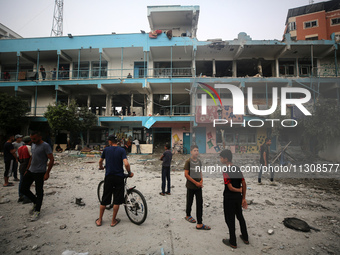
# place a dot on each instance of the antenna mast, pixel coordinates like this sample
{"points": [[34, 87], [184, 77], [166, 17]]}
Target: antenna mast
{"points": [[57, 25]]}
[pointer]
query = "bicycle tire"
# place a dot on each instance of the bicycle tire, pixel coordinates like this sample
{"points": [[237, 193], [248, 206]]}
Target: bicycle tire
{"points": [[130, 211], [100, 191]]}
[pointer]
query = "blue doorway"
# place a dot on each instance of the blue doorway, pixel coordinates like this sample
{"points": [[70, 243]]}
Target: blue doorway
{"points": [[139, 70], [186, 142], [201, 139]]}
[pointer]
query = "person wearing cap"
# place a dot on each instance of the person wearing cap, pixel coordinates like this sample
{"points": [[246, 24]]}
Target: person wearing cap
{"points": [[115, 157], [24, 154], [17, 144], [9, 157]]}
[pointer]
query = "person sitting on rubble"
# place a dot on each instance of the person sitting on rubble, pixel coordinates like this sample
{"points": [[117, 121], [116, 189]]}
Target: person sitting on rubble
{"points": [[58, 148]]}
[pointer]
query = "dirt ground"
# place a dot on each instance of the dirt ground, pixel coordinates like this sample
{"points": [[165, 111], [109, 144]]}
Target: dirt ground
{"points": [[66, 226]]}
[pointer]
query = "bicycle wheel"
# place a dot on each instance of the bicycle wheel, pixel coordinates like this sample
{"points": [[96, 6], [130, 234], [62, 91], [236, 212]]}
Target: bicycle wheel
{"points": [[100, 191], [135, 207]]}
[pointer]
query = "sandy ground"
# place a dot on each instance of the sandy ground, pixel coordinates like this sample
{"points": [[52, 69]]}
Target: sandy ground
{"points": [[315, 201]]}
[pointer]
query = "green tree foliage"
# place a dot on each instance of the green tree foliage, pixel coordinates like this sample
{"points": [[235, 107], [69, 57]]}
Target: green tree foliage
{"points": [[70, 117], [323, 127], [12, 112]]}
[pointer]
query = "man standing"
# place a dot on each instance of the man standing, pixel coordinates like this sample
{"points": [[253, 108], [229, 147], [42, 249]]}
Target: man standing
{"points": [[17, 144], [193, 174], [43, 72], [10, 157], [264, 160], [166, 157], [37, 173], [234, 198], [24, 155], [115, 157], [136, 142]]}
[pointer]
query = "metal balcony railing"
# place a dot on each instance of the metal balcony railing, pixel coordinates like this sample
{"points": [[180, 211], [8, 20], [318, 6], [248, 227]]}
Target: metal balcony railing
{"points": [[326, 70]]}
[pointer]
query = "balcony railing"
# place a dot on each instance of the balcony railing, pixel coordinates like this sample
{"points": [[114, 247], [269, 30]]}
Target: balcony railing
{"points": [[137, 73], [97, 74]]}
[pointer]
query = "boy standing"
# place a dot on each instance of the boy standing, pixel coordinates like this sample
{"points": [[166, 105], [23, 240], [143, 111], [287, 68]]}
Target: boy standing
{"points": [[193, 174], [234, 199], [166, 157]]}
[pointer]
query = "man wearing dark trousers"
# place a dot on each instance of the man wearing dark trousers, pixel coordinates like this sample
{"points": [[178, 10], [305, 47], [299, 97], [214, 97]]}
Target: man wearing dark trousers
{"points": [[193, 174], [37, 173], [166, 157], [234, 198], [264, 160], [10, 158], [115, 157]]}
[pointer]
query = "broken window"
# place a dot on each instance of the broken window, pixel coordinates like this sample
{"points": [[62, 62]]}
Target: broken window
{"points": [[81, 71], [254, 67], [97, 68], [204, 68], [287, 67], [224, 68]]}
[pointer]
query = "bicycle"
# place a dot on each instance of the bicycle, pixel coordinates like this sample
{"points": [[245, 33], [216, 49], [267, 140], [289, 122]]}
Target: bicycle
{"points": [[134, 202]]}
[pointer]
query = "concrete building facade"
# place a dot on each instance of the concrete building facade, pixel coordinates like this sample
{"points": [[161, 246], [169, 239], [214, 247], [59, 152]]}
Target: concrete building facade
{"points": [[314, 22]]}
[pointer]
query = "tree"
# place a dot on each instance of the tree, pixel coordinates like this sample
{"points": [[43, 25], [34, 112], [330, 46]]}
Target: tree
{"points": [[12, 112], [70, 117]]}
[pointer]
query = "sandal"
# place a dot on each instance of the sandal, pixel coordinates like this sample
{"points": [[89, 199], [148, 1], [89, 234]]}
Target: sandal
{"points": [[246, 242], [227, 243], [98, 225], [161, 193], [204, 227], [8, 185], [168, 193], [190, 219], [118, 220]]}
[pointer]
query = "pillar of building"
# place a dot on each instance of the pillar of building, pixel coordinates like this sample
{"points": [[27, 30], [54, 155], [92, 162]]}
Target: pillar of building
{"points": [[108, 105], [71, 71], [131, 107], [277, 71], [297, 67], [149, 105], [234, 68], [214, 68]]}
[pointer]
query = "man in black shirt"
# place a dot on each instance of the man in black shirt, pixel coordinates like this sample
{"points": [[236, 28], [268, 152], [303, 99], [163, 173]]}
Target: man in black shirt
{"points": [[234, 198], [264, 159], [166, 158], [10, 158]]}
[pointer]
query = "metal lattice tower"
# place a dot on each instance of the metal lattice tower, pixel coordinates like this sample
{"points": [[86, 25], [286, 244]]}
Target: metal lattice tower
{"points": [[57, 25]]}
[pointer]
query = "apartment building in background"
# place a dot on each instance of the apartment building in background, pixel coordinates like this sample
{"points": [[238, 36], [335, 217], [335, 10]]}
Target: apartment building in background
{"points": [[140, 84], [316, 21]]}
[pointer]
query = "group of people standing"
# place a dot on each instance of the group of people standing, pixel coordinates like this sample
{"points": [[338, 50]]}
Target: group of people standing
{"points": [[33, 154]]}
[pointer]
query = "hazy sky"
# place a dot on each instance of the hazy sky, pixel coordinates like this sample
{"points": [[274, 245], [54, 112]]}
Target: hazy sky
{"points": [[261, 19]]}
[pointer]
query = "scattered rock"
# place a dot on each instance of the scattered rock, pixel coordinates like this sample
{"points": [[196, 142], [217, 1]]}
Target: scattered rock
{"points": [[35, 247], [270, 231], [4, 200], [63, 226], [269, 203]]}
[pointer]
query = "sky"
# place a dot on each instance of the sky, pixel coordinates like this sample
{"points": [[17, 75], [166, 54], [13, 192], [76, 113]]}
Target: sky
{"points": [[225, 19]]}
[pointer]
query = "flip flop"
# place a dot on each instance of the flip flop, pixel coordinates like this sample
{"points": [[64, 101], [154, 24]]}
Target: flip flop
{"points": [[246, 242], [168, 193], [204, 227], [161, 193], [98, 225], [190, 219], [8, 185], [227, 243], [118, 220]]}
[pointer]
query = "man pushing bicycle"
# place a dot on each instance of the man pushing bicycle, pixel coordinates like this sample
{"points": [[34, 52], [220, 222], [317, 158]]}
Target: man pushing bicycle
{"points": [[115, 157]]}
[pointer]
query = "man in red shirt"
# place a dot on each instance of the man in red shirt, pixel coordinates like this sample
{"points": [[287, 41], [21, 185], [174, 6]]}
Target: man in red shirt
{"points": [[24, 153]]}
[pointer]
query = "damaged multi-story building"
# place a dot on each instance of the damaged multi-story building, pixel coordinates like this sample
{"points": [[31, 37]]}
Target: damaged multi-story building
{"points": [[139, 84]]}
